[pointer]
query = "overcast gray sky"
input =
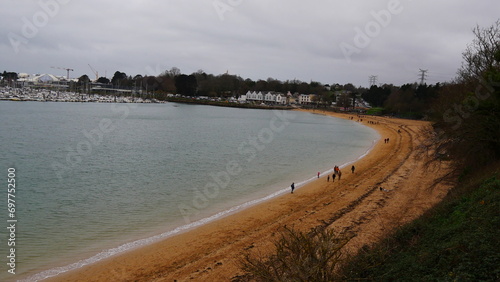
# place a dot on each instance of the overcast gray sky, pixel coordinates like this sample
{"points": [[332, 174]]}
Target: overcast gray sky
{"points": [[330, 41]]}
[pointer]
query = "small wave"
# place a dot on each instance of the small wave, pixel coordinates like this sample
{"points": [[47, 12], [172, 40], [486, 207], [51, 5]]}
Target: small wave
{"points": [[147, 241]]}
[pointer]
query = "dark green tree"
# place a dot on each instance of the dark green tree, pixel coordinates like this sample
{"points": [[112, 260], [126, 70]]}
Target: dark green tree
{"points": [[377, 96], [119, 78], [186, 84], [9, 77], [103, 80], [84, 83]]}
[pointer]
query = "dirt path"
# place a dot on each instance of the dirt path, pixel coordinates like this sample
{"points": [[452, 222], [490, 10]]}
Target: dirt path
{"points": [[354, 204]]}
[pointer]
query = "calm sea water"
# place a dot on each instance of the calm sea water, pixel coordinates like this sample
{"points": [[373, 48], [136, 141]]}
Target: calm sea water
{"points": [[93, 180]]}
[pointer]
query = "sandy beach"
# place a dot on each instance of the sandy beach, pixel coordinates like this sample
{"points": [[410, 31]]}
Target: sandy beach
{"points": [[355, 204]]}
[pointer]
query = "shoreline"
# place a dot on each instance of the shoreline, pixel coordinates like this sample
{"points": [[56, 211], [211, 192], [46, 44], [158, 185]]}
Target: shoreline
{"points": [[177, 230], [174, 256]]}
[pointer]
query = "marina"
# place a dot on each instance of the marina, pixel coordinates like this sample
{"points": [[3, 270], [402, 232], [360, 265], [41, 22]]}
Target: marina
{"points": [[44, 95]]}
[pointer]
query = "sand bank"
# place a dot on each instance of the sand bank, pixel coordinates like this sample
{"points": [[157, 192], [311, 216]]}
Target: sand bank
{"points": [[355, 204]]}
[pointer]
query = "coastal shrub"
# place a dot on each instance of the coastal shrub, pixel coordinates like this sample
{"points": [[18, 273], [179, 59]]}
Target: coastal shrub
{"points": [[300, 256]]}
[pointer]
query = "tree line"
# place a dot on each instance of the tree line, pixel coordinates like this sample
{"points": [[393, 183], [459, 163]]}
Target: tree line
{"points": [[407, 99], [201, 83]]}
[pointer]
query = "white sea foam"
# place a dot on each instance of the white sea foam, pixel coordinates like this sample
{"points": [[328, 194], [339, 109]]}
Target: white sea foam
{"points": [[128, 184], [143, 242]]}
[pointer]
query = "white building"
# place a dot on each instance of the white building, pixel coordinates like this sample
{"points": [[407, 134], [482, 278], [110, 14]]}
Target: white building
{"points": [[306, 98], [270, 98], [281, 99], [243, 98], [260, 96], [251, 96], [46, 78], [254, 96], [40, 78]]}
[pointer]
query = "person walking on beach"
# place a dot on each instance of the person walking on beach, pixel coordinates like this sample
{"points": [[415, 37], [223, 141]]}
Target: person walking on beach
{"points": [[339, 173], [352, 169], [318, 174], [328, 178], [333, 177], [293, 186]]}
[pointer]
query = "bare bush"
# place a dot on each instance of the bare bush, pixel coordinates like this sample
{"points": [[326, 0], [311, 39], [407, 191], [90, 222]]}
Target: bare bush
{"points": [[300, 256]]}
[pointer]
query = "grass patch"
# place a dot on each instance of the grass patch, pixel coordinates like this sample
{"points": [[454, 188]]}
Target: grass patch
{"points": [[376, 111], [457, 241]]}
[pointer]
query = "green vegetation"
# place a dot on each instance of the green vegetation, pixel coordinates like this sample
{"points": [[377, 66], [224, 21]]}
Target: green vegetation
{"points": [[375, 111], [456, 241]]}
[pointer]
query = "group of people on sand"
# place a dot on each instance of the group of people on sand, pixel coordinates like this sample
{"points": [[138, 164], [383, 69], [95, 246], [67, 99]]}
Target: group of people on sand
{"points": [[386, 140], [360, 119], [336, 173]]}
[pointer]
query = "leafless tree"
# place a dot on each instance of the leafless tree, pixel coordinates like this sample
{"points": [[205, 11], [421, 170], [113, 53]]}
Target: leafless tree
{"points": [[480, 54]]}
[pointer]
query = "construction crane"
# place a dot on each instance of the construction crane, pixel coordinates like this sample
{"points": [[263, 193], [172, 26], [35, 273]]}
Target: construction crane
{"points": [[95, 72], [67, 69]]}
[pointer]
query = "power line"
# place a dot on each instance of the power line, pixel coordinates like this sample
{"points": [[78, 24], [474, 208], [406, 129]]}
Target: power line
{"points": [[373, 80], [422, 76]]}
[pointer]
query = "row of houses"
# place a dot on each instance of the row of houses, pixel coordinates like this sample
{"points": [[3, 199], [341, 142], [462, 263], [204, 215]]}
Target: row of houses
{"points": [[273, 98], [276, 98]]}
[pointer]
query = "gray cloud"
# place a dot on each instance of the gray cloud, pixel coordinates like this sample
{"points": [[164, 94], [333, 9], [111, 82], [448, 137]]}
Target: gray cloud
{"points": [[256, 39]]}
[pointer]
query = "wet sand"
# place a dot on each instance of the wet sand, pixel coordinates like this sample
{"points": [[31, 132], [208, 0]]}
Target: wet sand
{"points": [[354, 204]]}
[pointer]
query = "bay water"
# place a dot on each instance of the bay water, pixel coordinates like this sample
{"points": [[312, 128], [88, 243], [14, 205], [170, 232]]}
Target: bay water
{"points": [[93, 180]]}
